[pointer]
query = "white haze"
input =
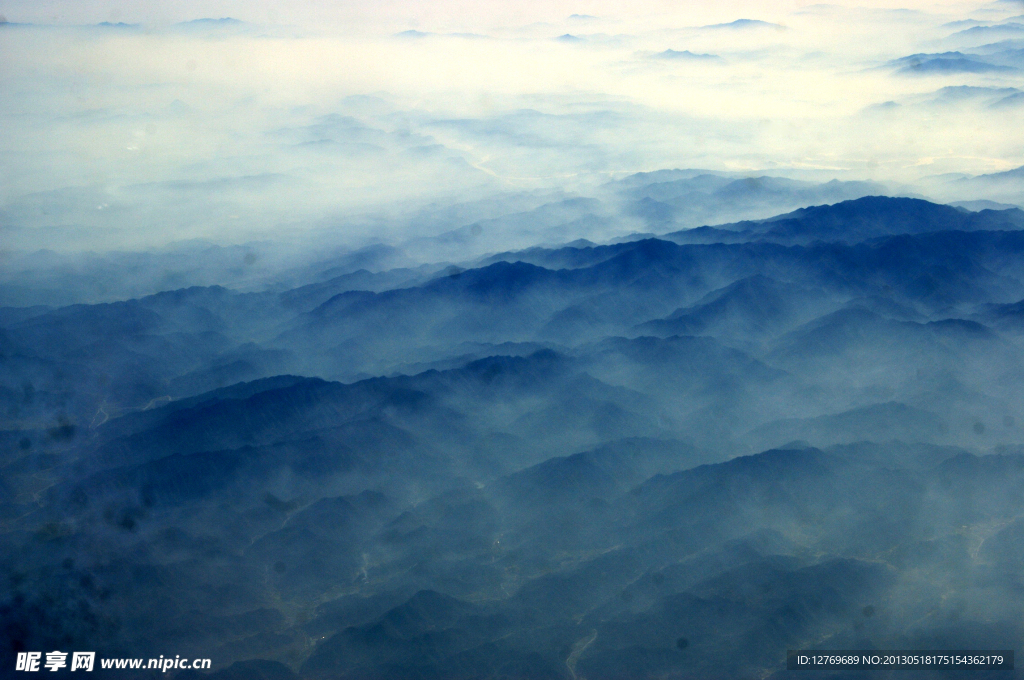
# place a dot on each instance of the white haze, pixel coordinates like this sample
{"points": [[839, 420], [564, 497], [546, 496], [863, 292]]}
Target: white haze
{"points": [[308, 125]]}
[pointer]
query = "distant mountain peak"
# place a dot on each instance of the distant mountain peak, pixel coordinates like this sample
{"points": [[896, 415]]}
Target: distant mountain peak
{"points": [[744, 24], [208, 21], [686, 55]]}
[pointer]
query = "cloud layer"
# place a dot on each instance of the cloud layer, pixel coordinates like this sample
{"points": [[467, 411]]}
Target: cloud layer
{"points": [[135, 126]]}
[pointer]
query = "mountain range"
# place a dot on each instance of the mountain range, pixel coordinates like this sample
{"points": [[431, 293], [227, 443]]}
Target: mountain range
{"points": [[664, 455]]}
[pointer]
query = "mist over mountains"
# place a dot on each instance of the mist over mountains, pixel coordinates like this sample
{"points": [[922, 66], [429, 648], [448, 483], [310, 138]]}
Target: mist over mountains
{"points": [[573, 461], [501, 341]]}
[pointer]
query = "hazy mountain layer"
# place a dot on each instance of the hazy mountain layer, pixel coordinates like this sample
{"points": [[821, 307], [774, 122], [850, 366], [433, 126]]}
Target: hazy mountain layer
{"points": [[672, 456]]}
